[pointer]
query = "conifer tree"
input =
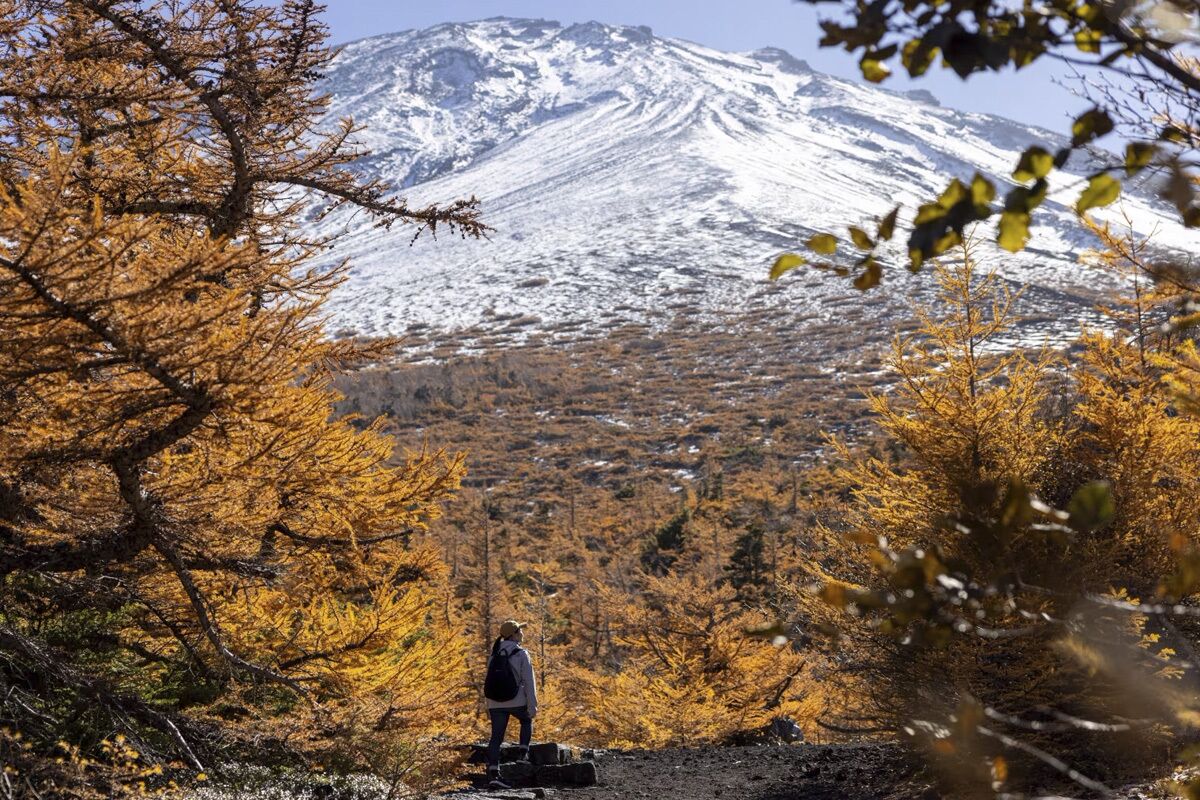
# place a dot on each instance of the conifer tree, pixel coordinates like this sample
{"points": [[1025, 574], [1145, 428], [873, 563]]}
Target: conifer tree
{"points": [[689, 670], [663, 547], [987, 625], [747, 563], [193, 550], [969, 422]]}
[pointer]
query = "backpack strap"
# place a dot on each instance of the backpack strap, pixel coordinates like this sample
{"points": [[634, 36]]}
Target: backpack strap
{"points": [[520, 676], [507, 655]]}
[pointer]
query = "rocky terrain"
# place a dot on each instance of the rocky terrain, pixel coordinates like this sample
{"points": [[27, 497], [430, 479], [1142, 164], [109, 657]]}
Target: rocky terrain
{"points": [[783, 772], [869, 771]]}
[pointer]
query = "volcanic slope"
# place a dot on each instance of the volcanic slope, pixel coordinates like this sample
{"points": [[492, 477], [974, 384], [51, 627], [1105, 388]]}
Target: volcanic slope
{"points": [[631, 177]]}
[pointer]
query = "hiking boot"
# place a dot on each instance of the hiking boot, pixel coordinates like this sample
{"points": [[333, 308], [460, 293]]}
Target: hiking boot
{"points": [[494, 781]]}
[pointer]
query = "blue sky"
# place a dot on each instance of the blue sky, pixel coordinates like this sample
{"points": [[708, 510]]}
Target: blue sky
{"points": [[1029, 96]]}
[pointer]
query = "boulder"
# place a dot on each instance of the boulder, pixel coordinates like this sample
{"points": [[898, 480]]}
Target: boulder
{"points": [[550, 753], [519, 773], [578, 773], [508, 752], [544, 764]]}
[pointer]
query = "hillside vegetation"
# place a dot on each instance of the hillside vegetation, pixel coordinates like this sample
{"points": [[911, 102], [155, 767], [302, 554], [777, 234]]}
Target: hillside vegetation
{"points": [[235, 544], [659, 534], [644, 500]]}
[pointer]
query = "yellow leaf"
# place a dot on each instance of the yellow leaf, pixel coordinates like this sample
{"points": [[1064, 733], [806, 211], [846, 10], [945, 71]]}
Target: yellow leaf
{"points": [[823, 243], [786, 263], [874, 70]]}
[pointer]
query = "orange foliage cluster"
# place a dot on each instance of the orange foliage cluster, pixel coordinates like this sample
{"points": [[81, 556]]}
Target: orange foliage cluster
{"points": [[197, 550], [985, 624], [192, 548], [643, 522]]}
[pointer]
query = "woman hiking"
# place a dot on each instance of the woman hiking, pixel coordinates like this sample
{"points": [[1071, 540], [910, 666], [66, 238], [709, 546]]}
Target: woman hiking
{"points": [[510, 691]]}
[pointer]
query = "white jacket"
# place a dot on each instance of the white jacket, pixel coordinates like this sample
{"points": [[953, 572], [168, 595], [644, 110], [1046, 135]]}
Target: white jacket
{"points": [[522, 668]]}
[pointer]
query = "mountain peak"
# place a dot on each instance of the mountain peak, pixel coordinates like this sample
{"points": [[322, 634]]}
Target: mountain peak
{"points": [[783, 58], [629, 175], [597, 33]]}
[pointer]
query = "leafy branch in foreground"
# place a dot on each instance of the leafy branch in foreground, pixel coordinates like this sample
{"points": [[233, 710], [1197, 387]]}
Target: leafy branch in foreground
{"points": [[1156, 103], [1013, 589]]}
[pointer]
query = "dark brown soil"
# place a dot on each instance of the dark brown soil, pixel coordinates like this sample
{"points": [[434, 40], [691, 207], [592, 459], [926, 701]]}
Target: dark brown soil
{"points": [[785, 772]]}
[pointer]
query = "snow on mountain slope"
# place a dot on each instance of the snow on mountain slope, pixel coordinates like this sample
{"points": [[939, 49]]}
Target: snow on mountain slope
{"points": [[627, 175]]}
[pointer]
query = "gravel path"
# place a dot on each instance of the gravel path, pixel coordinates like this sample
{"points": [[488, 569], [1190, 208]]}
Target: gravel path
{"points": [[787, 772]]}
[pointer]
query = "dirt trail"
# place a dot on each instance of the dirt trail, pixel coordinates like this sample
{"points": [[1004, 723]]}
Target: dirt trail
{"points": [[786, 772]]}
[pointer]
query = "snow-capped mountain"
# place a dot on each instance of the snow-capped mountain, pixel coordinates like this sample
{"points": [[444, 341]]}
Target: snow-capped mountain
{"points": [[627, 175]]}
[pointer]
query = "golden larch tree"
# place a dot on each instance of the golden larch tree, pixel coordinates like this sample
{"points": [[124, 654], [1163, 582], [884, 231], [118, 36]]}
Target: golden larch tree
{"points": [[985, 624], [193, 550], [686, 672]]}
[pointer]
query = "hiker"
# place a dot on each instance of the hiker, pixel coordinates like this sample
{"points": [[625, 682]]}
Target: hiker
{"points": [[510, 691]]}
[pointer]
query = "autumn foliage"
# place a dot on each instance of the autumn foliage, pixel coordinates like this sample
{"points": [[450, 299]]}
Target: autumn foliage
{"points": [[193, 552], [640, 621], [202, 562], [1004, 568]]}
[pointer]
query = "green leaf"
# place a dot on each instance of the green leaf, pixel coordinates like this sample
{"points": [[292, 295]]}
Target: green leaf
{"points": [[1025, 53], [1017, 510], [928, 212], [1014, 230], [1138, 156], [1036, 162], [885, 52], [915, 259], [1091, 13], [860, 238], [1172, 133], [955, 192], [874, 70], [888, 226], [1092, 507], [1090, 125], [823, 243], [950, 238], [871, 276], [786, 263], [917, 56], [1101, 190], [1179, 188]]}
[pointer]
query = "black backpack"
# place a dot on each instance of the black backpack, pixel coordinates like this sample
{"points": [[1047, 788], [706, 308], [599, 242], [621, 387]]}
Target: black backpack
{"points": [[500, 684]]}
